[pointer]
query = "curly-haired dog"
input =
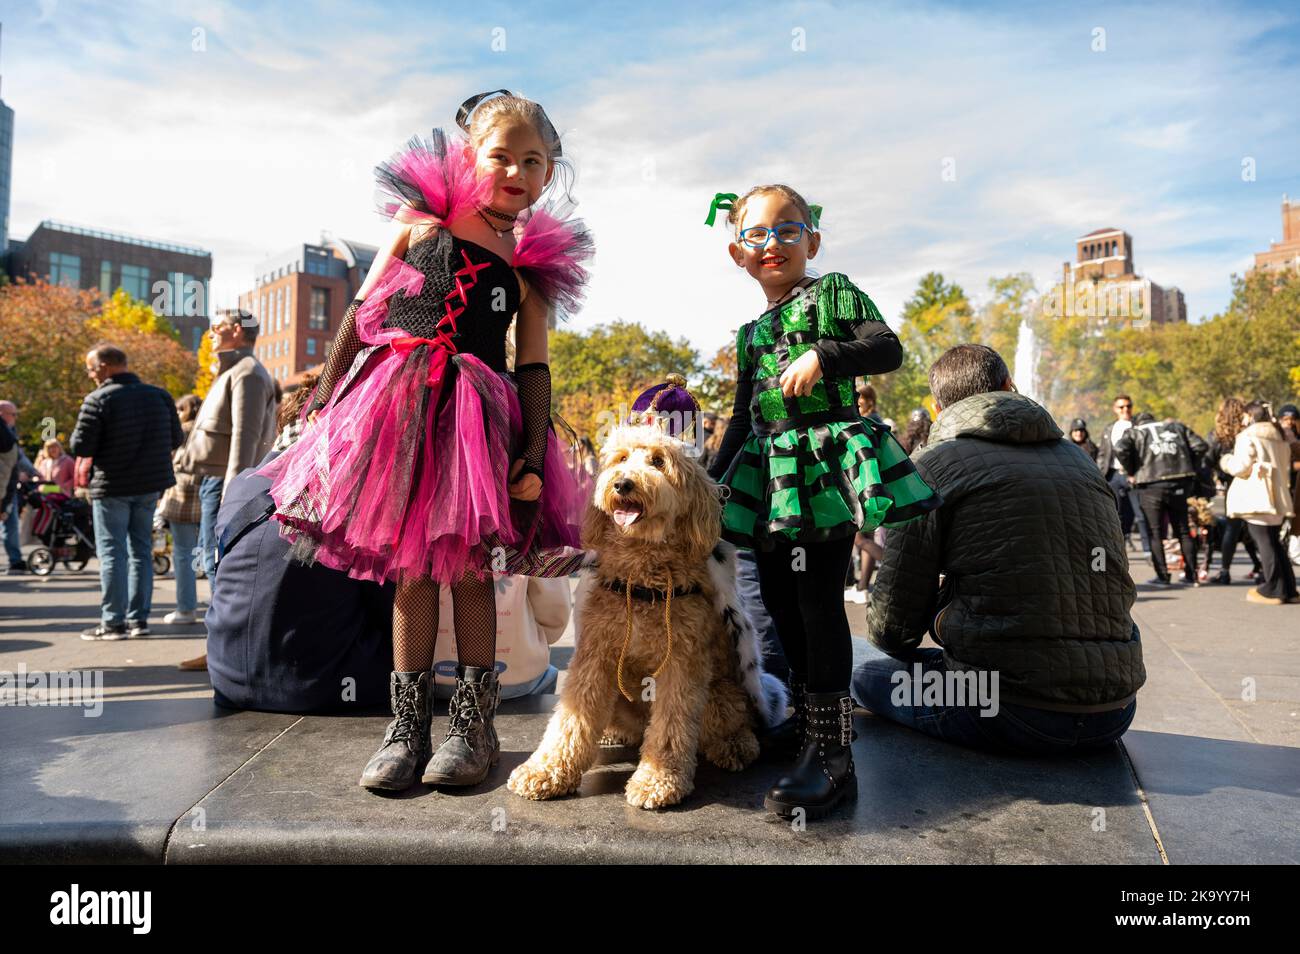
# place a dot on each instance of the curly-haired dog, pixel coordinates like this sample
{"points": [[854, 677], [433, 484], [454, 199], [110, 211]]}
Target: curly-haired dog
{"points": [[654, 526]]}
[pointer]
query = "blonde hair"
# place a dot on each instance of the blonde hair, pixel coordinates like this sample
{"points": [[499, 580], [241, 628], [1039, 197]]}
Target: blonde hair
{"points": [[736, 214], [506, 110]]}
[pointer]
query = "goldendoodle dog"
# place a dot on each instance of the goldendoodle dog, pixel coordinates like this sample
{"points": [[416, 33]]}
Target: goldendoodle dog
{"points": [[665, 657]]}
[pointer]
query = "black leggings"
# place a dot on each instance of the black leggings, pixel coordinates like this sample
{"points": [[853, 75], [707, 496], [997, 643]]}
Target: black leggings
{"points": [[1168, 498], [806, 602], [1234, 531], [1279, 575]]}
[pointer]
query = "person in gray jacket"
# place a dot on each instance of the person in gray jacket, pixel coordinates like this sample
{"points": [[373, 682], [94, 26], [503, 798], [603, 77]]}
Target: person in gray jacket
{"points": [[1021, 577], [234, 430], [235, 427]]}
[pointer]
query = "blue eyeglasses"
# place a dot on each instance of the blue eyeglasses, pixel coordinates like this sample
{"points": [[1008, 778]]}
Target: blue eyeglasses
{"points": [[787, 233]]}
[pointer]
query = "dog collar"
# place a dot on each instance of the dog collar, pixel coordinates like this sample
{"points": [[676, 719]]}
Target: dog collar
{"points": [[649, 594]]}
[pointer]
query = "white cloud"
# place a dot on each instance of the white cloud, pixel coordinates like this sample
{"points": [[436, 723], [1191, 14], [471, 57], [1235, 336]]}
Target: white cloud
{"points": [[270, 135]]}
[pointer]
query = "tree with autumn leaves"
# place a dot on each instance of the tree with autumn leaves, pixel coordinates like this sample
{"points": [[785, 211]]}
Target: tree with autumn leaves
{"points": [[1251, 350], [45, 332]]}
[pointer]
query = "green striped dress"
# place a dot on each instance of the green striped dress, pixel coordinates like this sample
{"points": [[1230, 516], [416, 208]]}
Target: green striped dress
{"points": [[812, 469]]}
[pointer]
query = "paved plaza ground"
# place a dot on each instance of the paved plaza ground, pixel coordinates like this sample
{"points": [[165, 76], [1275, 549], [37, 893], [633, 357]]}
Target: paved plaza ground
{"points": [[1209, 772]]}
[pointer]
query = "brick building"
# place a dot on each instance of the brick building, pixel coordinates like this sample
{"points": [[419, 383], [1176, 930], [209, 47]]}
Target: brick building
{"points": [[299, 297], [1105, 258], [174, 278], [1284, 255]]}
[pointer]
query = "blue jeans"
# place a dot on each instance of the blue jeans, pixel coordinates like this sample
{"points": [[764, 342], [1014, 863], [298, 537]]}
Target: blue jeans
{"points": [[1129, 510], [1015, 729], [185, 544], [210, 503], [751, 602], [11, 533], [124, 532]]}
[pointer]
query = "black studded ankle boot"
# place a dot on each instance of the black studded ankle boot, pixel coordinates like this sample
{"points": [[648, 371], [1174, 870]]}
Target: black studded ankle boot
{"points": [[471, 747], [823, 774], [785, 738], [407, 745]]}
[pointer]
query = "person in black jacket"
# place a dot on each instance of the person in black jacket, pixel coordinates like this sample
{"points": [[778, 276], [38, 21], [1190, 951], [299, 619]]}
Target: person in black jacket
{"points": [[1079, 437], [130, 429], [1111, 468], [1162, 459]]}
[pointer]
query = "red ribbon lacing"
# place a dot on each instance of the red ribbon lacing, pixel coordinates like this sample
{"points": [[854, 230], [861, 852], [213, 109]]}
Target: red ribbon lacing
{"points": [[441, 345]]}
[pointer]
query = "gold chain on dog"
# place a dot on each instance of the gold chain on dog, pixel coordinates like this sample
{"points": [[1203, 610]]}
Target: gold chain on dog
{"points": [[668, 625]]}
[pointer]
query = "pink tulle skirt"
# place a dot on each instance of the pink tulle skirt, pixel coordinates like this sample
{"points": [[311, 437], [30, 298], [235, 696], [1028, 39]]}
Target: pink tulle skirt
{"points": [[404, 475]]}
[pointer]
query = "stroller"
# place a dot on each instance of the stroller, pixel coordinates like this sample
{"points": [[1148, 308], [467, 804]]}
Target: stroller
{"points": [[63, 525]]}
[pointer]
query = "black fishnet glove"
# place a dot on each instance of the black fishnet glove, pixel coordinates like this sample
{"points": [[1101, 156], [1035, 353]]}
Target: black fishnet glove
{"points": [[343, 350], [533, 382]]}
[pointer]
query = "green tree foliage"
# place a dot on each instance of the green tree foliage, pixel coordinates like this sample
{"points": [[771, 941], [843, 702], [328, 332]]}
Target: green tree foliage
{"points": [[45, 332], [936, 317], [1249, 351], [598, 373]]}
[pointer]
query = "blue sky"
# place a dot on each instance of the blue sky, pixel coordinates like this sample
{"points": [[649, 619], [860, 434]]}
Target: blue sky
{"points": [[263, 131]]}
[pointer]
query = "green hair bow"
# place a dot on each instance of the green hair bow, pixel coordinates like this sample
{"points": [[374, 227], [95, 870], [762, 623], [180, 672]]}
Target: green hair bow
{"points": [[723, 201]]}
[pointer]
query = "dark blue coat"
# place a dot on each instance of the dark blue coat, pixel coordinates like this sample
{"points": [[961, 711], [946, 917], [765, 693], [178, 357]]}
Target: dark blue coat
{"points": [[284, 637]]}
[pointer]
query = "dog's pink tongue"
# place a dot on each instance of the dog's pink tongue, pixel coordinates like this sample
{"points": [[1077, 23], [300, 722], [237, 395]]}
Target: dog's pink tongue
{"points": [[625, 518]]}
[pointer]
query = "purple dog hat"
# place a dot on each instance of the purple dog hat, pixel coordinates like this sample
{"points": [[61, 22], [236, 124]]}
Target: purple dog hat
{"points": [[670, 406]]}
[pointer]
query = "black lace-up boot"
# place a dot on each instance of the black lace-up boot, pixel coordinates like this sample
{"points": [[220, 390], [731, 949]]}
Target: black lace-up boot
{"points": [[471, 747], [823, 776], [407, 745]]}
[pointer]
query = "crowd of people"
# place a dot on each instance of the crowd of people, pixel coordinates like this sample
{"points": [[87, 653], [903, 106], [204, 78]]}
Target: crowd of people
{"points": [[421, 478], [1167, 477]]}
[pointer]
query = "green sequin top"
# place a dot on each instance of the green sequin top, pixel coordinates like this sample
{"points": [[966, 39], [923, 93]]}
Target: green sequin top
{"points": [[807, 468]]}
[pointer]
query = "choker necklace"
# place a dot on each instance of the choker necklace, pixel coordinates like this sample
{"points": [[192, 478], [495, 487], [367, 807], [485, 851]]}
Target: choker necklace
{"points": [[773, 302], [500, 232]]}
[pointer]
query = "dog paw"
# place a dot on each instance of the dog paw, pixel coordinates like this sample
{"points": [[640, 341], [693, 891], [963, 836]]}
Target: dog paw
{"points": [[648, 788], [735, 753], [619, 737], [539, 782]]}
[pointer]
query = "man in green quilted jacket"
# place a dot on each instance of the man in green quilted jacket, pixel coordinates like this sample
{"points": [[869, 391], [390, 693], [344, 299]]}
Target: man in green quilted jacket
{"points": [[1021, 578]]}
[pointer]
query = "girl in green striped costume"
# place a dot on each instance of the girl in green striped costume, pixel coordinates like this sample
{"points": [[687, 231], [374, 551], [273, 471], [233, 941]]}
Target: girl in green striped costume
{"points": [[804, 473]]}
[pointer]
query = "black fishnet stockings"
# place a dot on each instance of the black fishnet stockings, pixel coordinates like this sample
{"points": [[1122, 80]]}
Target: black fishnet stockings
{"points": [[415, 623]]}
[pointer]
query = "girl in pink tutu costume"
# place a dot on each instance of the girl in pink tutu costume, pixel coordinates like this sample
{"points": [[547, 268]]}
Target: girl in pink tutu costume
{"points": [[425, 461]]}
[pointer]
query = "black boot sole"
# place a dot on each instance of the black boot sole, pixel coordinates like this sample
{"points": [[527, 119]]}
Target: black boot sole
{"points": [[846, 793]]}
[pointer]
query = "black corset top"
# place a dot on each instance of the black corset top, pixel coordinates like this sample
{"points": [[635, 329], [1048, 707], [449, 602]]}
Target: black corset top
{"points": [[477, 280]]}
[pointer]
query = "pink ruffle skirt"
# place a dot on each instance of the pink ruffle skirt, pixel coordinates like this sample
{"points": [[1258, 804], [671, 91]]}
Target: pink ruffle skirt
{"points": [[404, 475]]}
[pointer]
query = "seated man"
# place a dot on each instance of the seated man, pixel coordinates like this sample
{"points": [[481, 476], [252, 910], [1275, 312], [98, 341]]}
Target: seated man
{"points": [[1039, 652], [284, 637]]}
